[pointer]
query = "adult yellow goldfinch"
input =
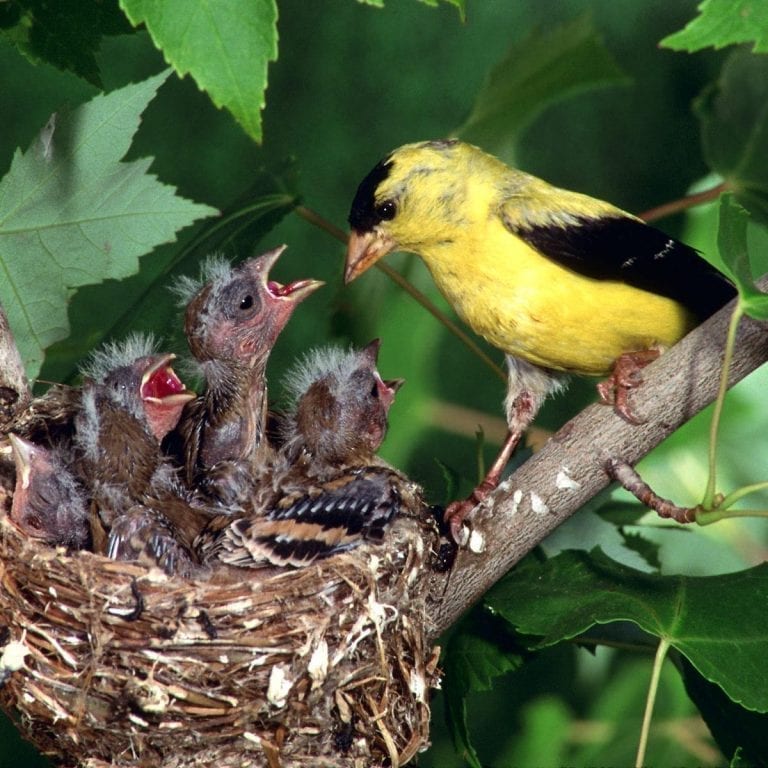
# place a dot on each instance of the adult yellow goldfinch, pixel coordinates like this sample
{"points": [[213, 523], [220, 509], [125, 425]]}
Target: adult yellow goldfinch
{"points": [[559, 281]]}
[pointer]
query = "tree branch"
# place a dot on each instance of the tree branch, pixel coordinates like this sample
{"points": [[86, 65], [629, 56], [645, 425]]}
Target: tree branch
{"points": [[14, 387], [570, 469]]}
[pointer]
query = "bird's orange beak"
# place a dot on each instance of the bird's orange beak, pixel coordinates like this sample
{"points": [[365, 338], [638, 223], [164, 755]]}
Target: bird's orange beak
{"points": [[364, 249]]}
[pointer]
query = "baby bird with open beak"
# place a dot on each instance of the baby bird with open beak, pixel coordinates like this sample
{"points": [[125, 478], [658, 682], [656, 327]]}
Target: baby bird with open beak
{"points": [[233, 318], [131, 399]]}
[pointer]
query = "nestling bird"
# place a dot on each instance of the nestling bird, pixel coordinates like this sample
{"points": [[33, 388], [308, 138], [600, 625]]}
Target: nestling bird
{"points": [[130, 400], [326, 491], [48, 503], [298, 524], [162, 527], [233, 318], [559, 281], [340, 407], [147, 534]]}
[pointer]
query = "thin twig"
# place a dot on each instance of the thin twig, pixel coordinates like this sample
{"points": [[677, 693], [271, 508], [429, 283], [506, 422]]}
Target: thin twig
{"points": [[709, 492], [631, 481], [684, 203]]}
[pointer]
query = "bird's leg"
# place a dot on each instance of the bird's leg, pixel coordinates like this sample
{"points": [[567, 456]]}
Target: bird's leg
{"points": [[626, 376], [458, 510], [529, 386]]}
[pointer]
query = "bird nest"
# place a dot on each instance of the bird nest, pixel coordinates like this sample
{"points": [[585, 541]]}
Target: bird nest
{"points": [[111, 663]]}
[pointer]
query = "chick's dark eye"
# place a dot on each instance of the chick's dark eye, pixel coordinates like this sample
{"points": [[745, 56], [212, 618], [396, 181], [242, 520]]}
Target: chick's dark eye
{"points": [[375, 390], [386, 210], [246, 302]]}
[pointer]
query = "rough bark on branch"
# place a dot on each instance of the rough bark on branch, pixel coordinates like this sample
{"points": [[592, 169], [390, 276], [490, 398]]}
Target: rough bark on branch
{"points": [[569, 470], [14, 387]]}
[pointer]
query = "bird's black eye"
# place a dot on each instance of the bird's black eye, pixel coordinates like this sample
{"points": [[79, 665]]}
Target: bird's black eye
{"points": [[375, 390], [239, 301], [387, 210]]}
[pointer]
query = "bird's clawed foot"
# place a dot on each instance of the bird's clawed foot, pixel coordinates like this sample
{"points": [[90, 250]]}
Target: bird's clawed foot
{"points": [[626, 376], [457, 511]]}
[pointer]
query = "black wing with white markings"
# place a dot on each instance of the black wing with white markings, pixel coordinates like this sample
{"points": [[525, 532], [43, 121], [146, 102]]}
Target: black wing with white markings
{"points": [[323, 520], [626, 249]]}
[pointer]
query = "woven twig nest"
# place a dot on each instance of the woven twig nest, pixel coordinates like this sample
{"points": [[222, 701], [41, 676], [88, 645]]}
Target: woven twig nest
{"points": [[325, 665]]}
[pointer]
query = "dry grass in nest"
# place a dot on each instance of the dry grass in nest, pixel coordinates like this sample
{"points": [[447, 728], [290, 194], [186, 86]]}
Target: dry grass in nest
{"points": [[321, 666]]}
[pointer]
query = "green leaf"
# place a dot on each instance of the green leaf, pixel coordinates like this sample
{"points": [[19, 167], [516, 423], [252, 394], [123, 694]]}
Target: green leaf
{"points": [[734, 129], [721, 23], [71, 214], [474, 657], [588, 530], [474, 660], [536, 73], [226, 48], [732, 241], [456, 717], [451, 478], [544, 736], [66, 33], [716, 622], [648, 550], [732, 244], [144, 302], [734, 728]]}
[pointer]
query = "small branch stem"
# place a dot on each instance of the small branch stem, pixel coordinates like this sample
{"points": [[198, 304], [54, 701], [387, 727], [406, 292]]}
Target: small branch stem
{"points": [[630, 480], [653, 689], [570, 469], [740, 493], [313, 217], [263, 203], [716, 515], [708, 502], [683, 203]]}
